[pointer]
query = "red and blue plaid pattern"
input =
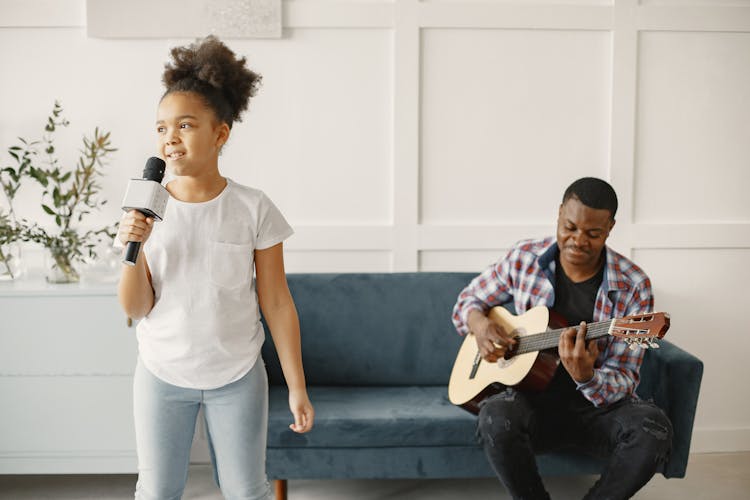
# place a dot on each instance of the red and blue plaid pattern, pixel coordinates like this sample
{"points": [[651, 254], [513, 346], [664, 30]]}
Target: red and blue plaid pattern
{"points": [[526, 277]]}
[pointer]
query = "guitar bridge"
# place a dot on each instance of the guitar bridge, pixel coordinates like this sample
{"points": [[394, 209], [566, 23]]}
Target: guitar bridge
{"points": [[475, 366]]}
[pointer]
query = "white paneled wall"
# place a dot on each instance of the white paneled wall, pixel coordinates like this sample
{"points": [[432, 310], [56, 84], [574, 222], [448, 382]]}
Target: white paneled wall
{"points": [[502, 109], [405, 135], [693, 127]]}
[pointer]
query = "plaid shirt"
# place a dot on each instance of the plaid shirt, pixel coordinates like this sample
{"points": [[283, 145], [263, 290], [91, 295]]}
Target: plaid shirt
{"points": [[526, 276]]}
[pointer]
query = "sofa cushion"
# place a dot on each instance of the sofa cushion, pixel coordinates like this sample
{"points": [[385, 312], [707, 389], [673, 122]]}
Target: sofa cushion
{"points": [[374, 329], [376, 417]]}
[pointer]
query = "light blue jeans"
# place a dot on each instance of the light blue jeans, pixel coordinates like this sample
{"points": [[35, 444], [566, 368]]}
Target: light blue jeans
{"points": [[236, 418]]}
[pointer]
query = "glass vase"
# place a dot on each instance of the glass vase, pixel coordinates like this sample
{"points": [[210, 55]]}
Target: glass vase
{"points": [[60, 267], [104, 268], [11, 263]]}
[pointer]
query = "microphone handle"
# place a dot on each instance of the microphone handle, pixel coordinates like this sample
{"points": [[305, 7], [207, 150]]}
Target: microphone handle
{"points": [[131, 252]]}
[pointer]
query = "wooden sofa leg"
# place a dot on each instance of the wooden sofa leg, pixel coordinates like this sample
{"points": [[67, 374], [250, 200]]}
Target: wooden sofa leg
{"points": [[279, 486]]}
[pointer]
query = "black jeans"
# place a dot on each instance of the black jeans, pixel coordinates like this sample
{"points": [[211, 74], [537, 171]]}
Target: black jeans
{"points": [[635, 437]]}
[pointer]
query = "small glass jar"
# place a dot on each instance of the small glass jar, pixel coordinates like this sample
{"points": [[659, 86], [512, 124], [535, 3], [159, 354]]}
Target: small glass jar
{"points": [[11, 262]]}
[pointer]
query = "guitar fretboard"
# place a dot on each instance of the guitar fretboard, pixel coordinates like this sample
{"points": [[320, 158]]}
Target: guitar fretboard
{"points": [[551, 338]]}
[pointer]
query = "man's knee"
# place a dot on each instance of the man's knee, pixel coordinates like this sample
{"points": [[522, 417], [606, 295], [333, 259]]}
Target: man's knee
{"points": [[502, 418], [659, 428], [650, 429]]}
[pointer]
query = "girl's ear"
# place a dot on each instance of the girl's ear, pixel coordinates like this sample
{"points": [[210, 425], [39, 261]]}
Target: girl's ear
{"points": [[222, 134]]}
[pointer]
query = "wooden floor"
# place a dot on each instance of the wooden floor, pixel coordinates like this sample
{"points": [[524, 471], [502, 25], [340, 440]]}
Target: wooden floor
{"points": [[724, 476]]}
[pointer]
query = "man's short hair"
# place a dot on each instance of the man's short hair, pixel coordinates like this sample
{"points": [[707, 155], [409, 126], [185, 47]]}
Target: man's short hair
{"points": [[594, 193]]}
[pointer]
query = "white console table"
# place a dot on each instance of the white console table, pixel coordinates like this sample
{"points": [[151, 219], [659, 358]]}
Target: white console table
{"points": [[67, 357]]}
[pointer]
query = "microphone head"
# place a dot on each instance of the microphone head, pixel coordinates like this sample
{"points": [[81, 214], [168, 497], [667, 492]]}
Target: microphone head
{"points": [[154, 169]]}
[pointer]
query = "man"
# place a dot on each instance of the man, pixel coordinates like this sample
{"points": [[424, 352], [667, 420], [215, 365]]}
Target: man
{"points": [[590, 403]]}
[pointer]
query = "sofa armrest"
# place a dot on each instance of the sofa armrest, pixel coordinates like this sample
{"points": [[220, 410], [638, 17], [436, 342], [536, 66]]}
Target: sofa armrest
{"points": [[671, 377]]}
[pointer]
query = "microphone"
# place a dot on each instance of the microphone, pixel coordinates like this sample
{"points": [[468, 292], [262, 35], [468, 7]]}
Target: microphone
{"points": [[149, 197]]}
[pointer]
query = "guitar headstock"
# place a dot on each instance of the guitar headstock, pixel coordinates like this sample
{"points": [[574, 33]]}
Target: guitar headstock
{"points": [[640, 330]]}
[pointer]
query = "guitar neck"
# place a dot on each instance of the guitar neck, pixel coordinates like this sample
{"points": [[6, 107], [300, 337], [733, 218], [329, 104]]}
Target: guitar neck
{"points": [[551, 338]]}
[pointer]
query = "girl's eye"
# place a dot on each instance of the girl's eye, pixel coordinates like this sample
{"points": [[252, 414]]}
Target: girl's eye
{"points": [[161, 130], [185, 125]]}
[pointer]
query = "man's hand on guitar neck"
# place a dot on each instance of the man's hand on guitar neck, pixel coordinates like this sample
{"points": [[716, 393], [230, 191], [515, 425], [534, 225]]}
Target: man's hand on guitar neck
{"points": [[492, 340], [576, 357]]}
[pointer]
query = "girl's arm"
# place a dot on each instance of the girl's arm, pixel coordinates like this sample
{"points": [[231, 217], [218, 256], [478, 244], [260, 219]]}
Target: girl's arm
{"points": [[278, 308], [135, 291]]}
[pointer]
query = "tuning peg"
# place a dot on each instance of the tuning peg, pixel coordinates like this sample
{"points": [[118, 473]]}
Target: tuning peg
{"points": [[632, 345], [653, 344]]}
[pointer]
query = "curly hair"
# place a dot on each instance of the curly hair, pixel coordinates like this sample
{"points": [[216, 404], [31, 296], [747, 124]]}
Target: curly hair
{"points": [[210, 69]]}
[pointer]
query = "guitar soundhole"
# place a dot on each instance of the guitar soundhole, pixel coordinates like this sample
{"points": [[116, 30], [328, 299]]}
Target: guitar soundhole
{"points": [[508, 358]]}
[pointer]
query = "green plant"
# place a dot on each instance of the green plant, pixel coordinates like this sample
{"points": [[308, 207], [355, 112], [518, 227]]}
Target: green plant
{"points": [[69, 194], [10, 177], [10, 233], [11, 229]]}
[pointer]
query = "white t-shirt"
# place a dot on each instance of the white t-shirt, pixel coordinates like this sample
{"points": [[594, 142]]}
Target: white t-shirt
{"points": [[204, 330]]}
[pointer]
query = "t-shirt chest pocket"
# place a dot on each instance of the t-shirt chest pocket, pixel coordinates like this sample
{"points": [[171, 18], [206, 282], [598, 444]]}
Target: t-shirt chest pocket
{"points": [[230, 264]]}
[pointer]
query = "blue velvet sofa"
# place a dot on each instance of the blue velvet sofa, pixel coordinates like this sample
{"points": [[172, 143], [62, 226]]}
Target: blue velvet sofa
{"points": [[378, 351]]}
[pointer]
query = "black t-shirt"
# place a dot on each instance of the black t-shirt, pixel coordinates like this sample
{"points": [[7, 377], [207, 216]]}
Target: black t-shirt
{"points": [[575, 302]]}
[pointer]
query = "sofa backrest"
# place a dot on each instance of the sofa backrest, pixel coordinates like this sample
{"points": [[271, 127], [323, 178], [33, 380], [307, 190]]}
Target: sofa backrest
{"points": [[374, 329]]}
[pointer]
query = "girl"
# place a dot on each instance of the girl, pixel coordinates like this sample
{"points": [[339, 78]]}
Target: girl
{"points": [[200, 337]]}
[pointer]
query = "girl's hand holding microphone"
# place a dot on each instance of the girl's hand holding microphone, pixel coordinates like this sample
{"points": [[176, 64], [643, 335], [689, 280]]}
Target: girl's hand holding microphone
{"points": [[145, 200], [134, 226]]}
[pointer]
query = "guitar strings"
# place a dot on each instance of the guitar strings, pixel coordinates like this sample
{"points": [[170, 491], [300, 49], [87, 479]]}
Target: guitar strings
{"points": [[550, 338], [545, 340]]}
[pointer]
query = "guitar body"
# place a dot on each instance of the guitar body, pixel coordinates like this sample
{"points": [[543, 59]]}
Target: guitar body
{"points": [[531, 371]]}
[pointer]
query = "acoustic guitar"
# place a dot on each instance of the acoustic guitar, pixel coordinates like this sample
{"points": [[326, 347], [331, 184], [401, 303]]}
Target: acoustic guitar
{"points": [[533, 361]]}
